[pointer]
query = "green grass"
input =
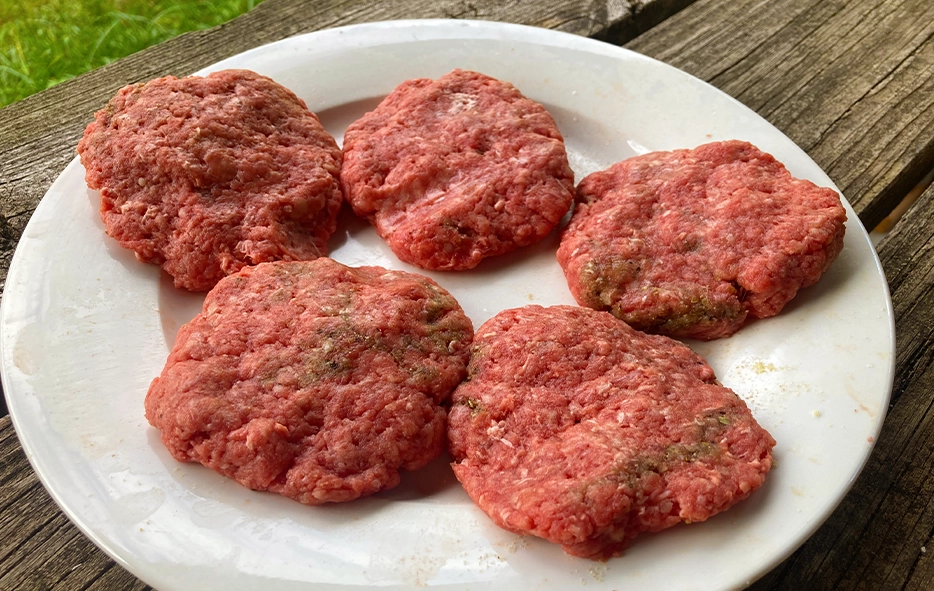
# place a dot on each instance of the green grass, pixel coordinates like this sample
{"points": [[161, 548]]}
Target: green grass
{"points": [[44, 42]]}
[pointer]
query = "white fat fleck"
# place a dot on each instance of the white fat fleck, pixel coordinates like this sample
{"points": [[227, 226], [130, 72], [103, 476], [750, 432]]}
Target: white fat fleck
{"points": [[434, 196], [461, 102], [496, 432]]}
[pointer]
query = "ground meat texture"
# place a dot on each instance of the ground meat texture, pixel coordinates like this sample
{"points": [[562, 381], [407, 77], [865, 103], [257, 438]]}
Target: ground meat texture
{"points": [[458, 169], [313, 380], [689, 243], [576, 428], [207, 175]]}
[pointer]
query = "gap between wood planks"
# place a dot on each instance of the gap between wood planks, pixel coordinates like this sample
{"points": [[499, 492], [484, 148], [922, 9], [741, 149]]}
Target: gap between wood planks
{"points": [[890, 220]]}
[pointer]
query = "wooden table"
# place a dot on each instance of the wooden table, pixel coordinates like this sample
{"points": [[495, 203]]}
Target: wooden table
{"points": [[851, 81]]}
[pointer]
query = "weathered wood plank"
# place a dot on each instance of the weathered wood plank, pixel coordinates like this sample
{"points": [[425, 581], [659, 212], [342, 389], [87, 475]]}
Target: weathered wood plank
{"points": [[850, 82], [881, 535]]}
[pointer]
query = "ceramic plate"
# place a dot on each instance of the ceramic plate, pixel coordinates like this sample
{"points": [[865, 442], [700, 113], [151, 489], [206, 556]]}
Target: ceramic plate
{"points": [[85, 328]]}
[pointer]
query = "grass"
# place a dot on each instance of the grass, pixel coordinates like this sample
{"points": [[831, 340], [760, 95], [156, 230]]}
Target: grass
{"points": [[44, 42]]}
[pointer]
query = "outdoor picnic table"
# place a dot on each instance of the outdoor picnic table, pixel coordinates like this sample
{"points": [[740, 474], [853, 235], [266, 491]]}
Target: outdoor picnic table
{"points": [[850, 81]]}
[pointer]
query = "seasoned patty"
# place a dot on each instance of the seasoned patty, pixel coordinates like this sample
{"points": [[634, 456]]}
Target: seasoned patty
{"points": [[207, 175], [574, 427], [454, 170], [689, 243], [313, 380]]}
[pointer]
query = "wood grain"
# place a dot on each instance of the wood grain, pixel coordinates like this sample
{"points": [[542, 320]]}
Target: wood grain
{"points": [[852, 83]]}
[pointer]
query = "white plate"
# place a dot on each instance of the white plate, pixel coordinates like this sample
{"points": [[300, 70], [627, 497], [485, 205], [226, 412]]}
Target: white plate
{"points": [[84, 328]]}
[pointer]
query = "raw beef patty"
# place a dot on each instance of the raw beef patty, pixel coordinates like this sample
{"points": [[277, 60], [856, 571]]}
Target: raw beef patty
{"points": [[206, 175], [576, 428], [689, 243], [457, 169], [313, 380]]}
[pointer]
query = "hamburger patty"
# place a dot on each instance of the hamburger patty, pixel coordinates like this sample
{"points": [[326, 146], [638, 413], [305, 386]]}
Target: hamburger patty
{"points": [[576, 428], [689, 243], [313, 380], [458, 169], [207, 175]]}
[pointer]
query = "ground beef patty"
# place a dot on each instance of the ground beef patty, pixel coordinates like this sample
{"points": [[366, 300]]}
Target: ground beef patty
{"points": [[457, 169], [688, 243], [576, 428], [207, 175], [313, 380]]}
